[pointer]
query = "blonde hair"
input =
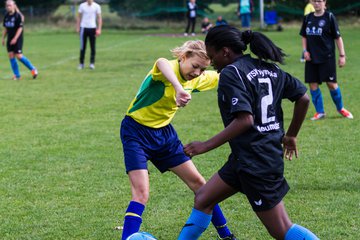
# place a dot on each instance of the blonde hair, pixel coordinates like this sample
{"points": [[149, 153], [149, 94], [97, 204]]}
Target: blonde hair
{"points": [[191, 48]]}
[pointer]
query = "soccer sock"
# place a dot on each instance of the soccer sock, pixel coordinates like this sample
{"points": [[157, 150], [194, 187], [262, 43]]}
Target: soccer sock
{"points": [[132, 219], [219, 222], [317, 100], [27, 63], [15, 67], [297, 232], [337, 98], [195, 225]]}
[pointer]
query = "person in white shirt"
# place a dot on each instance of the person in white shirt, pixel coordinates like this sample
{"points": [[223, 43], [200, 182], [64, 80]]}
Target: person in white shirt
{"points": [[88, 14]]}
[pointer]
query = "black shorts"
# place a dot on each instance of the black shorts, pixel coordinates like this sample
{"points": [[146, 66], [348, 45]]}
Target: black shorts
{"points": [[263, 193], [16, 48], [321, 72]]}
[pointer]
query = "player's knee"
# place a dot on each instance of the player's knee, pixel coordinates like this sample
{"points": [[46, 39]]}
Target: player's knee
{"points": [[141, 197], [197, 183], [202, 203]]}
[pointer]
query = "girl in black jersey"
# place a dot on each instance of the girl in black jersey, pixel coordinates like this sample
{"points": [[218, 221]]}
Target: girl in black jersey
{"points": [[13, 31], [249, 96], [319, 31]]}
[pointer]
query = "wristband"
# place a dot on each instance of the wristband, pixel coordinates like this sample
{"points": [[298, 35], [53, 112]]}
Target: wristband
{"points": [[342, 55], [304, 51]]}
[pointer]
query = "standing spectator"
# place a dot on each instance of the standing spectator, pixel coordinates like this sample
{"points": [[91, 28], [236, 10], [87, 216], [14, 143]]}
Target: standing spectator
{"points": [[250, 95], [245, 9], [13, 31], [319, 33], [191, 17], [88, 13], [309, 8], [206, 25], [220, 21]]}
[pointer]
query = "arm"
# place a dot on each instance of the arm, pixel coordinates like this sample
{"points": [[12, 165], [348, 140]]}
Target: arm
{"points": [[99, 25], [182, 97], [241, 123], [304, 46], [4, 36], [78, 19], [289, 140], [340, 46], [17, 34]]}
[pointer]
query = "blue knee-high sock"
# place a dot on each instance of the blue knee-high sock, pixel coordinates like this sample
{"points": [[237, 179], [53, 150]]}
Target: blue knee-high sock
{"points": [[337, 98], [15, 67], [317, 100], [297, 232], [219, 221], [195, 225], [132, 219], [27, 63]]}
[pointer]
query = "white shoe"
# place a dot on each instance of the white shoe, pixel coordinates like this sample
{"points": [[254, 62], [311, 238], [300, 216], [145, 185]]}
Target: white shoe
{"points": [[193, 34], [81, 66], [92, 66], [185, 34]]}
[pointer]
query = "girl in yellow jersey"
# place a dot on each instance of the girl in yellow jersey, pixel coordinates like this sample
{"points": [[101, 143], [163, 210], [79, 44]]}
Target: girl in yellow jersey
{"points": [[146, 132]]}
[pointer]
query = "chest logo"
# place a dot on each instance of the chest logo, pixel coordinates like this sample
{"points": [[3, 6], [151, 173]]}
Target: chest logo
{"points": [[322, 23], [234, 101]]}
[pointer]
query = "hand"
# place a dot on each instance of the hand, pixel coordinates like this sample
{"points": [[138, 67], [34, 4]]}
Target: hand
{"points": [[342, 61], [97, 32], [289, 146], [195, 148], [13, 41], [307, 56], [182, 98]]}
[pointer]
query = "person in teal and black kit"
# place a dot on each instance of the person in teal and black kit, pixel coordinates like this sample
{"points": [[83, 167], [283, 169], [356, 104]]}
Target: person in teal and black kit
{"points": [[320, 32], [250, 94], [147, 134], [13, 31]]}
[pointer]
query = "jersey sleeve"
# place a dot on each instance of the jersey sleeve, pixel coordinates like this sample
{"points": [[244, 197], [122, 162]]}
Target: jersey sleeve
{"points": [[80, 10], [303, 26], [334, 27], [98, 9], [233, 92], [208, 80], [293, 87], [18, 21]]}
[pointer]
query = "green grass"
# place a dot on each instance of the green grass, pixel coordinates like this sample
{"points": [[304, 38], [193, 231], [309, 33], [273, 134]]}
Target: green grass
{"points": [[61, 166]]}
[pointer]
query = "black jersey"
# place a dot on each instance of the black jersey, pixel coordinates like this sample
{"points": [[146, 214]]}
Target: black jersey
{"points": [[257, 87], [320, 32], [12, 23]]}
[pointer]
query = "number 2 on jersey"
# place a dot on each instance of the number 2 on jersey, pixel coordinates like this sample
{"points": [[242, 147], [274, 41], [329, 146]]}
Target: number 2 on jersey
{"points": [[266, 101]]}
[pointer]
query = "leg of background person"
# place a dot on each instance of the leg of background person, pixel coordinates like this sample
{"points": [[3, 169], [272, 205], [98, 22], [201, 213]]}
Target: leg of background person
{"points": [[206, 200], [25, 61], [92, 38], [139, 180], [193, 23], [14, 65], [280, 226], [82, 45], [317, 98], [188, 25], [336, 95]]}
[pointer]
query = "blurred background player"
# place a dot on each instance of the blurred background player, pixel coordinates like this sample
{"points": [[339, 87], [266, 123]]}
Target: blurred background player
{"points": [[191, 17], [205, 25], [245, 8], [13, 31], [220, 21], [320, 32], [147, 133], [89, 12]]}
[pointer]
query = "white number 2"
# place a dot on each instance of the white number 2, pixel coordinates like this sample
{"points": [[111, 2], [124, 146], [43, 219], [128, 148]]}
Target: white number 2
{"points": [[266, 101]]}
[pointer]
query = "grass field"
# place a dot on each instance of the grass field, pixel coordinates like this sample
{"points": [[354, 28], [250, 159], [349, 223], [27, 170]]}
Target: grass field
{"points": [[61, 166]]}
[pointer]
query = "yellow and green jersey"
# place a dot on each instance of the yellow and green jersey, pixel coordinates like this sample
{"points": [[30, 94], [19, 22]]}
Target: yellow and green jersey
{"points": [[155, 103]]}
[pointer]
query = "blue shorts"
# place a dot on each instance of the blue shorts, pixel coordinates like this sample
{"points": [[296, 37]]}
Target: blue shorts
{"points": [[245, 20], [159, 145]]}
